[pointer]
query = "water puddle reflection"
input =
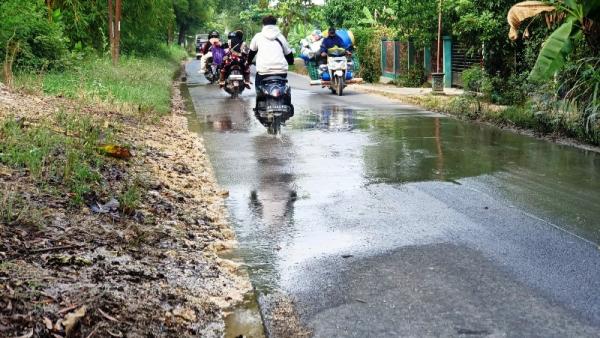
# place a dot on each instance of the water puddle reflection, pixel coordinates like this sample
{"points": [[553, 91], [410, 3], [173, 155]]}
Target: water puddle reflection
{"points": [[342, 179], [245, 320]]}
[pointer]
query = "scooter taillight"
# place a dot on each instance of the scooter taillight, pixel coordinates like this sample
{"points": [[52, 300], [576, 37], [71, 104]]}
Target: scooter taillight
{"points": [[275, 92]]}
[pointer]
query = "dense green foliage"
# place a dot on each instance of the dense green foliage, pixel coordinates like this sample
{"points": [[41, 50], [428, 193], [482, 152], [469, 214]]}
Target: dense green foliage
{"points": [[49, 34], [38, 41], [52, 35], [579, 19]]}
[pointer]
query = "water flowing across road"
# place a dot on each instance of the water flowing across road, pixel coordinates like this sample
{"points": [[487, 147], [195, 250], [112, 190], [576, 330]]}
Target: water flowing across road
{"points": [[383, 220]]}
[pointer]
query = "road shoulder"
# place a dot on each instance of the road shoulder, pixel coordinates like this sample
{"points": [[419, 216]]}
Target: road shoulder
{"points": [[98, 268]]}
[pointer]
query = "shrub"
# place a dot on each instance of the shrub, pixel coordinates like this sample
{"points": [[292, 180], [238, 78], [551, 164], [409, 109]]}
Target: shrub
{"points": [[41, 40], [466, 106], [474, 79], [579, 87], [414, 77], [368, 48], [504, 91]]}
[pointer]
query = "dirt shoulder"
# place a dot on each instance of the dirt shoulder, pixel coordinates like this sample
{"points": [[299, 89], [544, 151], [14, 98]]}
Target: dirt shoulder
{"points": [[138, 257]]}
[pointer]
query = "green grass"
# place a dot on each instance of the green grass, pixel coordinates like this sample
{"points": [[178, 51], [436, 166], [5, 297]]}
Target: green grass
{"points": [[143, 84], [15, 209], [60, 153], [130, 197], [64, 155], [526, 116]]}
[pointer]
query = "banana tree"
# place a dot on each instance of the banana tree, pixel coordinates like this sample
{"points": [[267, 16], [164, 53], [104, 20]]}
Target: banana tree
{"points": [[576, 18]]}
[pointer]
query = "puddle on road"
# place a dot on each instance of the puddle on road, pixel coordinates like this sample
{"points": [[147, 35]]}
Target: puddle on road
{"points": [[245, 320], [290, 196], [328, 150]]}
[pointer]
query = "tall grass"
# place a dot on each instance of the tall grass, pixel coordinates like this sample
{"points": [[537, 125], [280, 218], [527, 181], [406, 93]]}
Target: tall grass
{"points": [[56, 153], [142, 83], [60, 152]]}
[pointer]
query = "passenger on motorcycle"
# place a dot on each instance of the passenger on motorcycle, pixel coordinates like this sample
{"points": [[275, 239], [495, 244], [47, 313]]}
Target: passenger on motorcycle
{"points": [[237, 55], [311, 46], [213, 40], [272, 51], [332, 40]]}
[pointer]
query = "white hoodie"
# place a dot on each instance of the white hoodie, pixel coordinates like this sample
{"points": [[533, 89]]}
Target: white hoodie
{"points": [[270, 58]]}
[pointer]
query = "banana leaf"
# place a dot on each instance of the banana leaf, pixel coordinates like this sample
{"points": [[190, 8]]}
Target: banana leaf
{"points": [[553, 53]]}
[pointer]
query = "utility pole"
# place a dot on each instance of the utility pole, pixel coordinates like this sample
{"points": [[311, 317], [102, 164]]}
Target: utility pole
{"points": [[114, 28], [437, 78], [439, 41]]}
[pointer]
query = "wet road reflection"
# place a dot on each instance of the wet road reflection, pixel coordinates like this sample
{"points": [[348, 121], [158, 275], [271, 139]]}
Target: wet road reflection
{"points": [[359, 176]]}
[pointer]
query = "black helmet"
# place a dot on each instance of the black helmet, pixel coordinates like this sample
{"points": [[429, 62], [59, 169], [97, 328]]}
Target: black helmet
{"points": [[235, 34], [213, 34]]}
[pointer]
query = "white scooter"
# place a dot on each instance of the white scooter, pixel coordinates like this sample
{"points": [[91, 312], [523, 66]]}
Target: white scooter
{"points": [[337, 73]]}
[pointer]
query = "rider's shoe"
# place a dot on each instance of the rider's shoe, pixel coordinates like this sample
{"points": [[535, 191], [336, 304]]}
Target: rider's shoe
{"points": [[221, 84], [247, 84]]}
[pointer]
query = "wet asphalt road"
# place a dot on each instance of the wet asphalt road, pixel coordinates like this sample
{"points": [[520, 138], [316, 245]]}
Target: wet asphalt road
{"points": [[383, 220]]}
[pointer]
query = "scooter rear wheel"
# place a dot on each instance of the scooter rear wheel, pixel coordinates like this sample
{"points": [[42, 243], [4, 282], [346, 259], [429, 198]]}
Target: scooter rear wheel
{"points": [[275, 126], [340, 87]]}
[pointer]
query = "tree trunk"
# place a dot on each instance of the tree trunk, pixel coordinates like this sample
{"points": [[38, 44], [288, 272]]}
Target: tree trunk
{"points": [[111, 26], [114, 28], [117, 31], [182, 31], [50, 6]]}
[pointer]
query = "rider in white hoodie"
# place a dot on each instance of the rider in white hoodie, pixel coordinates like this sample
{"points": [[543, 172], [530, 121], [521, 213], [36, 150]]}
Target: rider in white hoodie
{"points": [[272, 51]]}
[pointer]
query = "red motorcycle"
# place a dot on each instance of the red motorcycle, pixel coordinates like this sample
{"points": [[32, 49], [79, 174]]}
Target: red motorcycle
{"points": [[234, 69]]}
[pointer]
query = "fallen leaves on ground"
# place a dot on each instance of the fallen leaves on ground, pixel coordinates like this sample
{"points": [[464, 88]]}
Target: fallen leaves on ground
{"points": [[72, 319], [115, 151]]}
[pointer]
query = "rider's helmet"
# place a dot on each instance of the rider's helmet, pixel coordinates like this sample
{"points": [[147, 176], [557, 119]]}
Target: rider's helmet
{"points": [[213, 34], [238, 34], [236, 40]]}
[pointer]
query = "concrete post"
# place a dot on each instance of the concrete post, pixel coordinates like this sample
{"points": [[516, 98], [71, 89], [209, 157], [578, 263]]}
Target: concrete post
{"points": [[447, 62], [427, 60], [410, 54], [383, 56]]}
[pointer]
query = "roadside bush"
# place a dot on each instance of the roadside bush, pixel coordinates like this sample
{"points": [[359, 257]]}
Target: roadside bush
{"points": [[41, 41], [414, 78], [579, 88], [476, 80], [511, 91], [520, 116], [467, 106], [503, 91], [368, 47]]}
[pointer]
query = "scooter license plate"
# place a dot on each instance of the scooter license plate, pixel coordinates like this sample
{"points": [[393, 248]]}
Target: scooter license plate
{"points": [[277, 109], [236, 77]]}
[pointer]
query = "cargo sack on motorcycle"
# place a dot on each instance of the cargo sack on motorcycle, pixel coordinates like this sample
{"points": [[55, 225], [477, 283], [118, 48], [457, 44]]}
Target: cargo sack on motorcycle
{"points": [[218, 54]]}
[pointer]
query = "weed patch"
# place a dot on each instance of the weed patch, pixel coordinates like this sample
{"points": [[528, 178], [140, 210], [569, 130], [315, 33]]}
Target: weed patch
{"points": [[66, 157], [135, 84], [16, 210], [130, 197]]}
